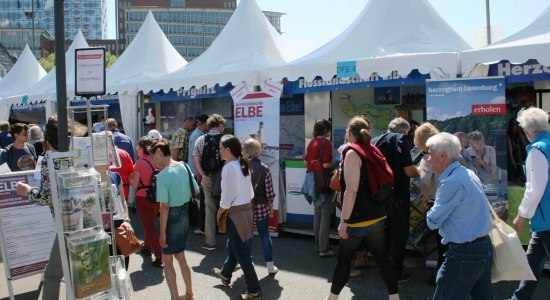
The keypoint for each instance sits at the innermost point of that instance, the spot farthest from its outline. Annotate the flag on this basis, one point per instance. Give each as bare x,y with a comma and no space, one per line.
49,4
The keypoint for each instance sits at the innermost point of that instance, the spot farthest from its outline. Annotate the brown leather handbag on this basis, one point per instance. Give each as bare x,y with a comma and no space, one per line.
126,244
335,181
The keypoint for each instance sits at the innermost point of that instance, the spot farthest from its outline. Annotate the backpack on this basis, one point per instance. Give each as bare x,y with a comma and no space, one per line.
152,188
211,160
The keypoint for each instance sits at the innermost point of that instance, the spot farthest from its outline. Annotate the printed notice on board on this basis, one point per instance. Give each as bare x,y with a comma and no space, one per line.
27,230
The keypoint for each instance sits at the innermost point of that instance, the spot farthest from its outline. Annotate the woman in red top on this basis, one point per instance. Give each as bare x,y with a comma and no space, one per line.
322,202
147,210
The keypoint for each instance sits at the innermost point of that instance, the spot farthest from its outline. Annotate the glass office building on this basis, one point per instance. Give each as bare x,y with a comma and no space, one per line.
20,18
190,30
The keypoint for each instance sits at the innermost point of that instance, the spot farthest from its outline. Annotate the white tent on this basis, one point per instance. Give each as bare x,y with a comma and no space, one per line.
26,72
532,42
45,89
149,56
247,44
388,35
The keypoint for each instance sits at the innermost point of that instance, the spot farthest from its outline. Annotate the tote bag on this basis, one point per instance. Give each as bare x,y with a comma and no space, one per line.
509,260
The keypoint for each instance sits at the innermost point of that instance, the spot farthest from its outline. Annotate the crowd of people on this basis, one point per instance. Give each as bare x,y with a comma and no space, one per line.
207,181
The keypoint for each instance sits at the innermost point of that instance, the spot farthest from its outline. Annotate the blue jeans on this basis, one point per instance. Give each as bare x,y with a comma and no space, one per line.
537,254
263,231
466,271
239,251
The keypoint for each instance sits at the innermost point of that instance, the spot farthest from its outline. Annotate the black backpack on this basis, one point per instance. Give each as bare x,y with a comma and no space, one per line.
211,160
152,188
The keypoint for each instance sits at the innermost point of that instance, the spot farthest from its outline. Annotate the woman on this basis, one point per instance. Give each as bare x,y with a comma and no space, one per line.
43,196
36,138
316,160
428,184
262,202
237,193
482,159
147,210
366,180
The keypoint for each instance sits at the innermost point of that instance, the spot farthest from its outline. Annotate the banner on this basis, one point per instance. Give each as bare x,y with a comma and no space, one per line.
26,244
256,115
468,105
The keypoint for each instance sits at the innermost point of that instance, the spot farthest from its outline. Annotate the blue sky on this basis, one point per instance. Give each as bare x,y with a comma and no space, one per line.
308,24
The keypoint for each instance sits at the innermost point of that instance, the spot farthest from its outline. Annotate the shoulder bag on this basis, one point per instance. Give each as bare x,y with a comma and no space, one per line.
322,177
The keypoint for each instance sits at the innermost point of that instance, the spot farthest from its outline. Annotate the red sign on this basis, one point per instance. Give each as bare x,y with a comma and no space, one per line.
488,109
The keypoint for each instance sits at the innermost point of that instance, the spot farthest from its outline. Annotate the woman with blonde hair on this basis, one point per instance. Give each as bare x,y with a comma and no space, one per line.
262,203
482,159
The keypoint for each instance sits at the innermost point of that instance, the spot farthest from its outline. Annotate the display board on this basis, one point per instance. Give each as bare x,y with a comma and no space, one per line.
257,116
27,231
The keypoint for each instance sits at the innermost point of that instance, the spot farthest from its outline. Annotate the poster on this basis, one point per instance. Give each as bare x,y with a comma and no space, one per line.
467,105
258,116
26,245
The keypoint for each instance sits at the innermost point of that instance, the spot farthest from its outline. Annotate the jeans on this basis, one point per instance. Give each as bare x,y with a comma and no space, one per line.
321,224
397,229
263,231
537,254
211,208
53,274
239,251
148,212
466,271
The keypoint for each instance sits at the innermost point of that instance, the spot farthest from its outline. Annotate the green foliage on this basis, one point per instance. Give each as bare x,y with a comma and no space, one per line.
489,125
49,62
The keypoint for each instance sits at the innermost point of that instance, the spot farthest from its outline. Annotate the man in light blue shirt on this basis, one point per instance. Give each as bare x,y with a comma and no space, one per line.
461,214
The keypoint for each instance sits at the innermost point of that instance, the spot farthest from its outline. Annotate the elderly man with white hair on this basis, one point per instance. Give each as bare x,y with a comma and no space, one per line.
461,213
535,204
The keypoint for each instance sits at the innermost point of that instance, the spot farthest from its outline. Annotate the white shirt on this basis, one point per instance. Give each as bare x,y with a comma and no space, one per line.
537,179
236,188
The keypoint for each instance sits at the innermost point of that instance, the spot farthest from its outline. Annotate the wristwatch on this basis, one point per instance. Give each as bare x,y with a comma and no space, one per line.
126,220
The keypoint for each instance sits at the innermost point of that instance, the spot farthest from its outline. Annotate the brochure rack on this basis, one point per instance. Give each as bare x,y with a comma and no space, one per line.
84,202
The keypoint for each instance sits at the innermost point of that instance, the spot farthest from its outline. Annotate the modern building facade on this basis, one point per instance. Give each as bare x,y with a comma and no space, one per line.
190,25
20,20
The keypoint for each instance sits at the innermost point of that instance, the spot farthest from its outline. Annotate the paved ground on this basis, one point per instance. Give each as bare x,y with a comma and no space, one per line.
302,275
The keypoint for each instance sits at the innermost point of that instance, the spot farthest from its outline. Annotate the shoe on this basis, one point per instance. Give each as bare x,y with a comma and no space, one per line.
208,247
225,280
197,231
271,269
145,252
404,277
327,253
157,262
355,273
249,296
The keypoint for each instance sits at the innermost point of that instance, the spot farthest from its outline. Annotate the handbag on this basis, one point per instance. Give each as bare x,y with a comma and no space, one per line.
126,245
509,259
321,177
222,222
335,181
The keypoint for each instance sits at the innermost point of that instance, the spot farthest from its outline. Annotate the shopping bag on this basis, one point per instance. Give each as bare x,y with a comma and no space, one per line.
509,260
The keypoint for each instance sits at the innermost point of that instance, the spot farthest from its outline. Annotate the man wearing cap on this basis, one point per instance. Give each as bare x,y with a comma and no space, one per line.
180,150
122,141
201,129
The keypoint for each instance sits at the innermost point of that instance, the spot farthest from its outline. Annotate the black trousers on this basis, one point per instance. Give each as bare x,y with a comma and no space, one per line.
397,230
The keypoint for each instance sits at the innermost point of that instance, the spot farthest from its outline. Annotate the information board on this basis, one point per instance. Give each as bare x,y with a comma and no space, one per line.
27,231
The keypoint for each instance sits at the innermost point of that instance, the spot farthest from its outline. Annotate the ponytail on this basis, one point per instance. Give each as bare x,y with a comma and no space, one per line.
244,166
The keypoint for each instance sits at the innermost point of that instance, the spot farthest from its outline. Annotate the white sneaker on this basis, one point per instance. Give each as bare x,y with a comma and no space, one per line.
271,269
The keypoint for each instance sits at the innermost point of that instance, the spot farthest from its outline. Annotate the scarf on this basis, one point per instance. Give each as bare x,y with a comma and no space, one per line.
375,162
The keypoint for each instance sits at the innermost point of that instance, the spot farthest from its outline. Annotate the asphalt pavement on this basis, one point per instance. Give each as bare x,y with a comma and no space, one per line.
302,275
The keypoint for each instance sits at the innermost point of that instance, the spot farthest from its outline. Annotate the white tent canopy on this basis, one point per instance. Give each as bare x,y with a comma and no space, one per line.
532,42
26,72
247,44
149,56
388,35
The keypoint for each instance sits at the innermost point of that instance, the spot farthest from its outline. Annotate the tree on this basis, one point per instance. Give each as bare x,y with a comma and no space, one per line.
49,62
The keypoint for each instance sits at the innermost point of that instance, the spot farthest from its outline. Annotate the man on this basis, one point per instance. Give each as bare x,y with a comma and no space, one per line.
20,155
174,187
536,200
126,168
395,147
461,213
5,137
180,151
210,179
122,141
198,216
